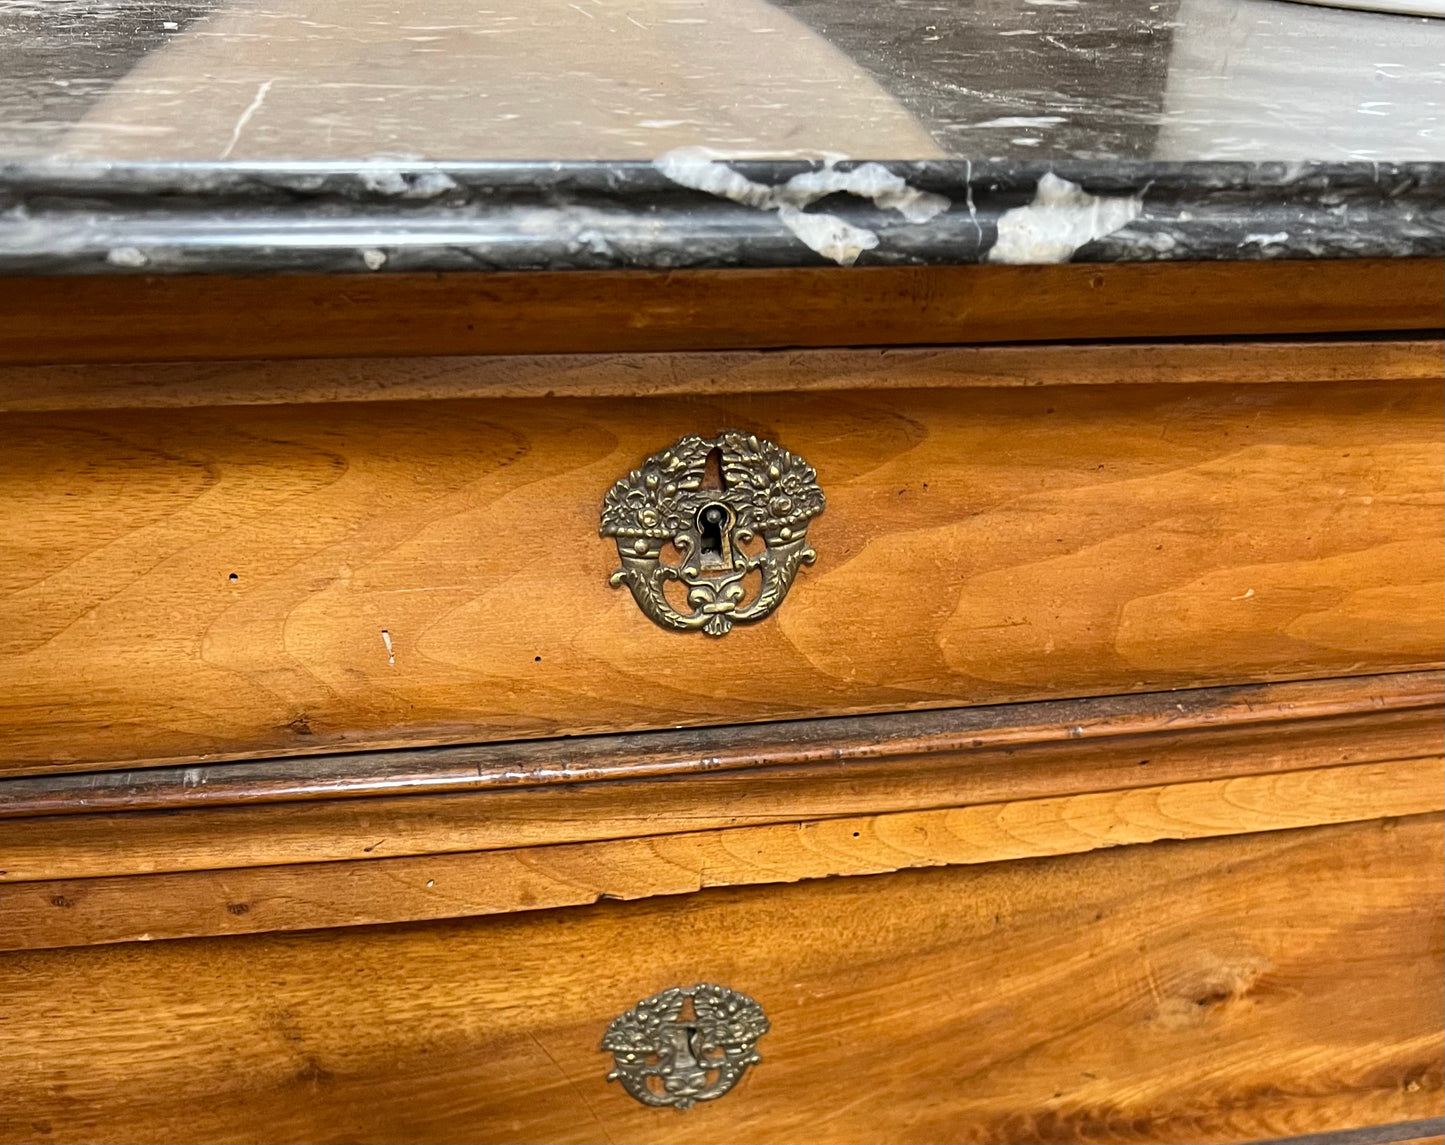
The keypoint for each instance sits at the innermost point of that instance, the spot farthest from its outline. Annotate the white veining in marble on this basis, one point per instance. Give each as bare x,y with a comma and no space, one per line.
1061,219
701,169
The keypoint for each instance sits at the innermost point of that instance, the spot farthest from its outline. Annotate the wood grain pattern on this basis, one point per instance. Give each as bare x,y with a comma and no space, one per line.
863,776
172,384
1218,991
77,912
980,545
141,318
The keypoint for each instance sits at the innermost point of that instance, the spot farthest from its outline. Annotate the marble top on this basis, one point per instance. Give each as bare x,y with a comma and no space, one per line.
436,134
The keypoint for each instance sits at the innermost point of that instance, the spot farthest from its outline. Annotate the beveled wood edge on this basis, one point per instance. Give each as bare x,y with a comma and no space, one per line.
829,741
1401,1132
694,373
194,317
140,908
333,830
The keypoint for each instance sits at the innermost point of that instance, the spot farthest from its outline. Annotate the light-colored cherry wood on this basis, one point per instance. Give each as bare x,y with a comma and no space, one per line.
194,583
143,318
170,384
1218,991
76,912
870,766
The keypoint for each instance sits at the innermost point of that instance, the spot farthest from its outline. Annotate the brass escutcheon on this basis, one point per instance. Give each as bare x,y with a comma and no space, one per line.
760,491
685,1045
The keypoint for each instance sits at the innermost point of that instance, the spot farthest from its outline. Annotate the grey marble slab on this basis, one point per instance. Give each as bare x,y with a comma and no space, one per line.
373,136
687,210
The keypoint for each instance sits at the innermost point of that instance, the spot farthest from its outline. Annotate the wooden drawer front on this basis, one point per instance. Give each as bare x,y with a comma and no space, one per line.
1224,990
283,579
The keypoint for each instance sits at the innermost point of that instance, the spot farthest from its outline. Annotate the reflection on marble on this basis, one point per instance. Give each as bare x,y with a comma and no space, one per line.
449,79
1259,81
618,79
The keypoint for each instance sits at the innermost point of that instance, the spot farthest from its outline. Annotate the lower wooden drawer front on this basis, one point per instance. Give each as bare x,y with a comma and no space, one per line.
1224,990
225,582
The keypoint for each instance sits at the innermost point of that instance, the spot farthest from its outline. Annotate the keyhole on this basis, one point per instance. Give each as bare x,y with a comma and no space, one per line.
714,537
714,519
711,521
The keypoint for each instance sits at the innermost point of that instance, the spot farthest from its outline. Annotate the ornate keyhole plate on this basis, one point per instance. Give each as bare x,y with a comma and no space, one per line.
685,1045
762,492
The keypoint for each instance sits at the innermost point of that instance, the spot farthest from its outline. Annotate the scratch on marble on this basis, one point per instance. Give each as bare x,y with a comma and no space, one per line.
1063,47
256,101
1022,121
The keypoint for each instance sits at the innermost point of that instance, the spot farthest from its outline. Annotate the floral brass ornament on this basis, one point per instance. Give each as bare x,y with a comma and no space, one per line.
763,492
685,1045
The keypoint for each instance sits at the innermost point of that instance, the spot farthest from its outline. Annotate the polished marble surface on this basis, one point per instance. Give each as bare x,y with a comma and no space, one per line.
630,79
142,135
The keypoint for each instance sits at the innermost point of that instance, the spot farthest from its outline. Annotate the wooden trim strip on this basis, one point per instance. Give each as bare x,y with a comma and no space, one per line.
144,907
830,741
334,830
183,384
139,318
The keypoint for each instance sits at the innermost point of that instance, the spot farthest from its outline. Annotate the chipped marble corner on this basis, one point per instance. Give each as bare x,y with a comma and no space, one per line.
1062,218
703,169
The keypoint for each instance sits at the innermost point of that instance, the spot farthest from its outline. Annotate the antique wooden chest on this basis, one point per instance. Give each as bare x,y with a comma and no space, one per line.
538,652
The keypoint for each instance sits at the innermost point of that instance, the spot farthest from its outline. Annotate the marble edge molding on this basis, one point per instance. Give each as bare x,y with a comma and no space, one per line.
693,209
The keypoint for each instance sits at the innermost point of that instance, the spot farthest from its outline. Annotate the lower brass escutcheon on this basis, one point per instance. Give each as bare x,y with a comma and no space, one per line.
685,1045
